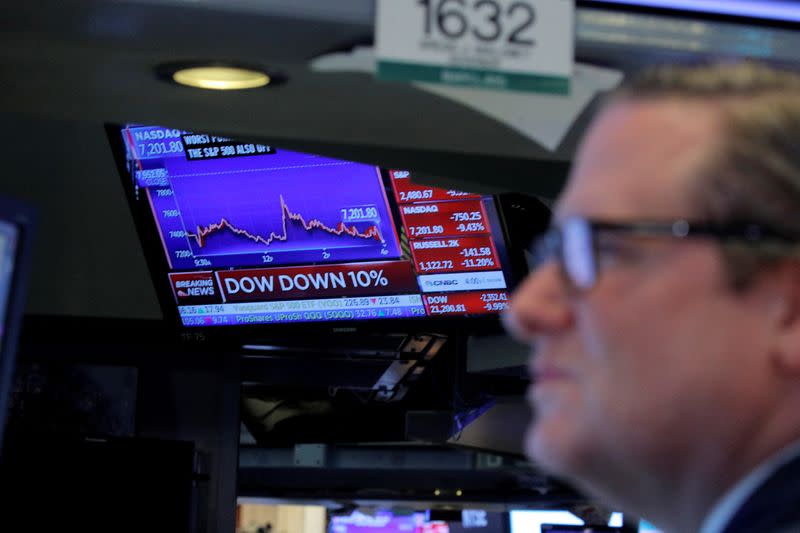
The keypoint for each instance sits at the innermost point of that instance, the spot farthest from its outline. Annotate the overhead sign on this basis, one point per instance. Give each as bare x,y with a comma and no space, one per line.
523,45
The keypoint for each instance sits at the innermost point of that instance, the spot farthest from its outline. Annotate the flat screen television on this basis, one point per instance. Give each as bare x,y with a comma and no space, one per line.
242,234
480,521
647,527
539,521
16,228
385,521
769,10
556,528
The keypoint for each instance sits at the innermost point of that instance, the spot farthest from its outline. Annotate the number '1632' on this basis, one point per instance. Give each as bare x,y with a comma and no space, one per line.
486,20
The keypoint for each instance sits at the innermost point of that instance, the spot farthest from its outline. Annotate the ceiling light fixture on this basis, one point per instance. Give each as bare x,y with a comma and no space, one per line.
217,76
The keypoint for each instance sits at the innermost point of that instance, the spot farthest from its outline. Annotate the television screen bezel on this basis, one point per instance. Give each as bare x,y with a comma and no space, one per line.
158,267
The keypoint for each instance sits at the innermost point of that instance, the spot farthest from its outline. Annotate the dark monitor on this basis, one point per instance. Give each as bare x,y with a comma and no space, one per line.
244,234
16,226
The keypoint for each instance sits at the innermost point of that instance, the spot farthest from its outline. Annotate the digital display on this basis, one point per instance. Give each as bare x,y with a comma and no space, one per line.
558,528
786,10
479,521
548,520
15,230
647,527
9,235
385,522
255,234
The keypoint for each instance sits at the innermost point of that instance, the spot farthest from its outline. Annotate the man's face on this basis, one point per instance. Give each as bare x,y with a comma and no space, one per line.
637,373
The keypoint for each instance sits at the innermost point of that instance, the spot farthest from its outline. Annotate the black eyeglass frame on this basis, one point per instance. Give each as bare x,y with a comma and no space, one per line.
551,243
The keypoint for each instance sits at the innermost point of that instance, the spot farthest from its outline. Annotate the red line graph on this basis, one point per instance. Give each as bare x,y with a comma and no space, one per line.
203,232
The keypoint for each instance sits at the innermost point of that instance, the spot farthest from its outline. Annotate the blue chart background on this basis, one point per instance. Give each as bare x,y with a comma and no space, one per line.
246,192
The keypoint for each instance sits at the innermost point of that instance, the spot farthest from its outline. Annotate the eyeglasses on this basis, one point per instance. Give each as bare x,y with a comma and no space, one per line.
574,242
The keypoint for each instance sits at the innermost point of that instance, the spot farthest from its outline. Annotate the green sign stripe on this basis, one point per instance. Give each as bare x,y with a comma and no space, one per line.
486,79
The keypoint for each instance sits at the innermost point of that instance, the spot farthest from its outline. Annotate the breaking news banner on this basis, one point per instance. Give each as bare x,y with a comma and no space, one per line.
391,277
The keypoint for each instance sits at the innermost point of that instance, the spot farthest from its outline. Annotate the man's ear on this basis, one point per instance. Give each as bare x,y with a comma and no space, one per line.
785,289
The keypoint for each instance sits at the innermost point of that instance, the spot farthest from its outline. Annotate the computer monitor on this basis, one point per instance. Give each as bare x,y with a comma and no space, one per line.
244,234
534,521
774,10
380,521
16,227
480,521
558,528
647,527
386,521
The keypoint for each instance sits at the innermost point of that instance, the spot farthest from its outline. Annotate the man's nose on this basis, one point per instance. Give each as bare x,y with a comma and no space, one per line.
539,306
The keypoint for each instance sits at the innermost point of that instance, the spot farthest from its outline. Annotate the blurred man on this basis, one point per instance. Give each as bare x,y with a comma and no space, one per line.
665,310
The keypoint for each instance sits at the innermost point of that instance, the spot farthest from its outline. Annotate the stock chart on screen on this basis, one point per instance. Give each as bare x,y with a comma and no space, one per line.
280,208
253,234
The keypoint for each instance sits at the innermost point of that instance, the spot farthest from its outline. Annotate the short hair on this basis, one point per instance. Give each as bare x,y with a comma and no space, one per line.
755,174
